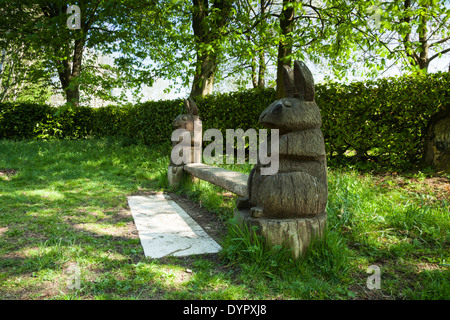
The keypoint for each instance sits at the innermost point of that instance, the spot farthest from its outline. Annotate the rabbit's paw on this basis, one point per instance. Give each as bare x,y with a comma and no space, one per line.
256,212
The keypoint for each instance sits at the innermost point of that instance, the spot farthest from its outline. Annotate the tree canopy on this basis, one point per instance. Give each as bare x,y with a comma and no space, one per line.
200,42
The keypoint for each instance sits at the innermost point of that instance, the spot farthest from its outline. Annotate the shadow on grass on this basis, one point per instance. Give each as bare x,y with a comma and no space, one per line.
67,204
73,192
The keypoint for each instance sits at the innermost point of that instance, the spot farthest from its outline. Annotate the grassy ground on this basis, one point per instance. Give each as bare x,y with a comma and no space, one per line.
64,217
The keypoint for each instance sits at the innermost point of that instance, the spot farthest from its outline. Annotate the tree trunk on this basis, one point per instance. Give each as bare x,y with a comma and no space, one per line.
203,82
420,59
73,96
424,45
206,63
262,70
69,66
73,89
285,46
206,38
69,84
254,76
262,61
258,76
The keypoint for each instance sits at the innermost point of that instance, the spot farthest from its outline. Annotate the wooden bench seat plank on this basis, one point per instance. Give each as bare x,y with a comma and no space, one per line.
233,181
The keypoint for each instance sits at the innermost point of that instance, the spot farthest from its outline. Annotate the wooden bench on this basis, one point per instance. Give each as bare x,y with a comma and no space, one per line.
235,182
288,208
296,234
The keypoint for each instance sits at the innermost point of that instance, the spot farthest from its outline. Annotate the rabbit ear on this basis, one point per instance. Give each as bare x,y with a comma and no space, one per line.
191,106
194,108
288,81
304,82
186,106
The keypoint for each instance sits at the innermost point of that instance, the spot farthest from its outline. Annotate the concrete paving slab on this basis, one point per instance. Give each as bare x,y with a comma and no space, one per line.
166,229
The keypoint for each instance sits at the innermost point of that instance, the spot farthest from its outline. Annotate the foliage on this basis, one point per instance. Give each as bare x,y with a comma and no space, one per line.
147,122
71,54
422,27
146,40
234,110
384,120
21,78
365,38
381,122
39,121
151,121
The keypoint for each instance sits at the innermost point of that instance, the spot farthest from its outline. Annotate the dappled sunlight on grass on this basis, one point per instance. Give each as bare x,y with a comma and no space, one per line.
65,202
74,191
48,195
368,223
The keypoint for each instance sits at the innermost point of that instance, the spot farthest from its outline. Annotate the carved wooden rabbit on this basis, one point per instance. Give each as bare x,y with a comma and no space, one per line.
299,189
187,121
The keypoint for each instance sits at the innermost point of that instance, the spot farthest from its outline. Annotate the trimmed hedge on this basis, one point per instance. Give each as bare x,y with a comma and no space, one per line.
149,122
35,121
383,121
237,110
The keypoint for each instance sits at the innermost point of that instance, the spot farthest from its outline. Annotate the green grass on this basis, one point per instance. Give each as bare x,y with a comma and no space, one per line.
66,206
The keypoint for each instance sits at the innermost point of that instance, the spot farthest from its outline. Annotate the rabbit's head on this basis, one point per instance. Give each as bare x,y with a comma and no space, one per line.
297,110
186,121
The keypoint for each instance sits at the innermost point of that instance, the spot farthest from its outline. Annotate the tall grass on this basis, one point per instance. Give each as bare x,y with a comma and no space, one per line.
243,246
371,215
67,204
367,223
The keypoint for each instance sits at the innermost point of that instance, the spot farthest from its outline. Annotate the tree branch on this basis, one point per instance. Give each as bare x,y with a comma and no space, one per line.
439,41
407,37
438,54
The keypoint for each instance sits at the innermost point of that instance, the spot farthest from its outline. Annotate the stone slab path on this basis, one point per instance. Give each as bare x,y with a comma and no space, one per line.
166,229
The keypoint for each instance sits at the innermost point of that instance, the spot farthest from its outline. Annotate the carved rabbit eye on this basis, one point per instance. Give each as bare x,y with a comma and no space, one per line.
184,118
287,103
